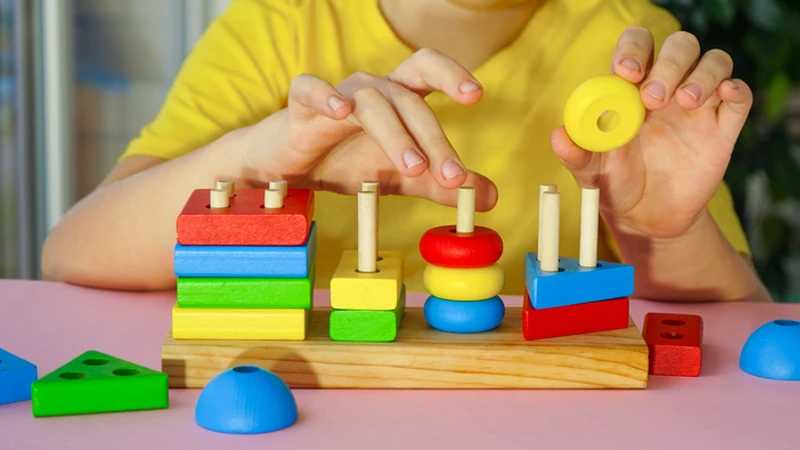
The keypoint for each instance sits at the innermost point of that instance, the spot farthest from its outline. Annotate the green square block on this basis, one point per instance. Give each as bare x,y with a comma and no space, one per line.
367,326
95,382
246,292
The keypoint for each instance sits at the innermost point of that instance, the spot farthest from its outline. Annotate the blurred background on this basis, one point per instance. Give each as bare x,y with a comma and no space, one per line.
79,78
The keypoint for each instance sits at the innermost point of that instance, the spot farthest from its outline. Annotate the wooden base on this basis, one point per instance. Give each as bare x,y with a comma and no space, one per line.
424,358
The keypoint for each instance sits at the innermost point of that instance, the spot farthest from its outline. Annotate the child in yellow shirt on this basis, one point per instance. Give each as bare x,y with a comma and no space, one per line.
426,96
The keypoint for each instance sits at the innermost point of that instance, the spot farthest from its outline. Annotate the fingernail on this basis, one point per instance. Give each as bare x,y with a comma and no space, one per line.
732,84
469,87
656,89
411,158
335,102
629,63
451,169
694,90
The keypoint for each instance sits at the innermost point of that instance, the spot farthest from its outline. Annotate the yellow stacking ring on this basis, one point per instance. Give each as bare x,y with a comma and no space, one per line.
464,284
604,113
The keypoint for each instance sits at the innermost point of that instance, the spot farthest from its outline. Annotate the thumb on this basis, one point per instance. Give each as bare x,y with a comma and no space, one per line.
583,165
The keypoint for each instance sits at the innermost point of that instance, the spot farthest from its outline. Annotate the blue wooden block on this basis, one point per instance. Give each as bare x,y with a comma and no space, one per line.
573,284
16,377
198,261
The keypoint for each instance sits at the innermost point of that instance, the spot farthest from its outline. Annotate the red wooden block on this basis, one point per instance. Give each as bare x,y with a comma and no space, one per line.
674,342
246,221
573,319
443,247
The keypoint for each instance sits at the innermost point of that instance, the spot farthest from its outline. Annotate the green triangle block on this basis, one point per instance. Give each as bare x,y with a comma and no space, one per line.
95,382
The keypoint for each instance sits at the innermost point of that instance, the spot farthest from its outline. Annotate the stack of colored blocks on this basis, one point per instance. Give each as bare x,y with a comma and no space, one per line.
245,266
368,296
462,274
568,296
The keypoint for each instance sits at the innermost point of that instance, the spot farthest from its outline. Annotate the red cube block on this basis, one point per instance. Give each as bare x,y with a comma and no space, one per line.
674,342
246,221
573,319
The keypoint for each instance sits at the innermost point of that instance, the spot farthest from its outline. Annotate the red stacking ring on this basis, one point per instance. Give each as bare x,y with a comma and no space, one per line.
443,247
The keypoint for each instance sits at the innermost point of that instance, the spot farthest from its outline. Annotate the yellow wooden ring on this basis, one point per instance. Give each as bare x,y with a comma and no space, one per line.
464,284
604,113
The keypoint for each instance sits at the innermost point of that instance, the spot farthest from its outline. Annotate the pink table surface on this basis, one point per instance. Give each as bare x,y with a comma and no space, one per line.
50,323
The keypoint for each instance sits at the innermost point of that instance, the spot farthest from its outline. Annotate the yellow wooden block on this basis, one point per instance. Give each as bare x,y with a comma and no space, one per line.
464,284
240,323
379,291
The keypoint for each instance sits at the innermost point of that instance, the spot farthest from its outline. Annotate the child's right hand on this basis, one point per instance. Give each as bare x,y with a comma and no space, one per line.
368,128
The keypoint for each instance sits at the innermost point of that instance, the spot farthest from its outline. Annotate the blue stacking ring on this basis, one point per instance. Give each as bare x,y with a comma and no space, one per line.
464,317
246,400
773,351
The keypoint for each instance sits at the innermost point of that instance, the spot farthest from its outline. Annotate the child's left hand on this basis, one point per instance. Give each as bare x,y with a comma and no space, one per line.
660,183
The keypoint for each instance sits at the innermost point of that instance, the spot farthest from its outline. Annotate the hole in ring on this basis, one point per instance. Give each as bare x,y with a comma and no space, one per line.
787,323
96,362
671,335
673,322
245,369
608,121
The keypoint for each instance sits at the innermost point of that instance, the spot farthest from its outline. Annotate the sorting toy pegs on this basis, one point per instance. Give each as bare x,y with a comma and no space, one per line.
590,216
604,113
219,199
281,185
227,185
273,199
550,231
542,189
367,231
466,210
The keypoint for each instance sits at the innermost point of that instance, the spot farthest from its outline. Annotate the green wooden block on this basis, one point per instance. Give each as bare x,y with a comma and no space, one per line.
246,292
367,326
95,382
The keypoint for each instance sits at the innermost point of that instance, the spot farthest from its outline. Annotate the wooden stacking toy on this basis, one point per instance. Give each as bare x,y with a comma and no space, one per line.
245,263
462,274
567,296
368,294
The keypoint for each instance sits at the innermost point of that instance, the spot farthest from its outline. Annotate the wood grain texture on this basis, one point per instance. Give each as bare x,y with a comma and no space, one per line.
246,221
424,358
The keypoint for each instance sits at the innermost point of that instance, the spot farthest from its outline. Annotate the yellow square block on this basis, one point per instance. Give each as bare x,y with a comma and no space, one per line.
377,291
240,323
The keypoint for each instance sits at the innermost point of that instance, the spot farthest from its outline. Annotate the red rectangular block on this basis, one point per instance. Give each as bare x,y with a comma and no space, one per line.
674,342
246,221
573,319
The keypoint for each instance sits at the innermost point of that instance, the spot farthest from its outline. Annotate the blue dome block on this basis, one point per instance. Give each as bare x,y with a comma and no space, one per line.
464,316
246,400
773,351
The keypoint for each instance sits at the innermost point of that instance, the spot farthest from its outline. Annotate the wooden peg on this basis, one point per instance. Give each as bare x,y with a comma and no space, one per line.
550,231
370,186
281,185
590,214
273,199
219,198
227,185
542,189
374,186
466,210
367,231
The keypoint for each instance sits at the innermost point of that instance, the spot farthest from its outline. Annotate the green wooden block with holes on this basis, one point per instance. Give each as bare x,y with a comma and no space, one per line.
350,325
95,382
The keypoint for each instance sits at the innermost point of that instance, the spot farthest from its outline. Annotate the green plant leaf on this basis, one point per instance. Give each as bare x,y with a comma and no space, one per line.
723,11
777,95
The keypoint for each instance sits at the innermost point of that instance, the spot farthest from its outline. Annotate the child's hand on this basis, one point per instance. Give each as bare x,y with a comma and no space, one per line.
369,128
660,183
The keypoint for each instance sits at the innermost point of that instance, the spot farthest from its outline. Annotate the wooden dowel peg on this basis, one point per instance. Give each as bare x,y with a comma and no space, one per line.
367,231
374,186
542,189
273,199
466,210
219,198
590,216
370,186
550,231
227,185
281,185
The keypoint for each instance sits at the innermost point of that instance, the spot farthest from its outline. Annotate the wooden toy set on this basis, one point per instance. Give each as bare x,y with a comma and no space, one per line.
576,313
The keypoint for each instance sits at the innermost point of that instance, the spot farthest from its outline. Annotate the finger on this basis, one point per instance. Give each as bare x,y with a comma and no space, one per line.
583,165
634,53
678,54
737,99
713,68
379,120
428,188
424,128
310,95
428,70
